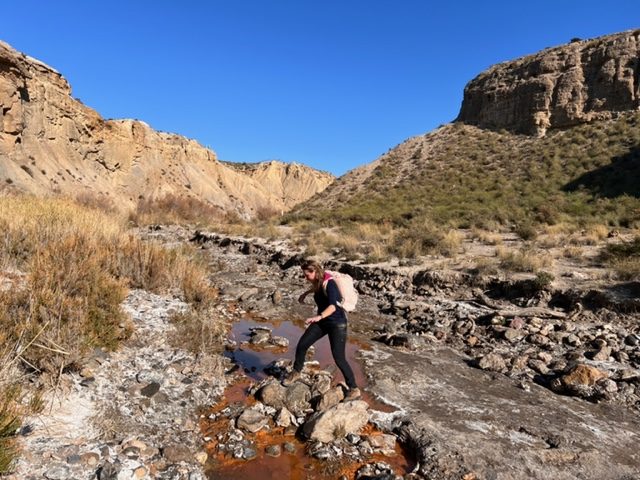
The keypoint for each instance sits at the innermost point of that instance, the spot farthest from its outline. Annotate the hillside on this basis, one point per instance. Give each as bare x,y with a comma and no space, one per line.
50,143
477,172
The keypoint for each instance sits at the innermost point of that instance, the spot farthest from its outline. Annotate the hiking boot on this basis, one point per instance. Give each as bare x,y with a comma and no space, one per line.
352,394
291,377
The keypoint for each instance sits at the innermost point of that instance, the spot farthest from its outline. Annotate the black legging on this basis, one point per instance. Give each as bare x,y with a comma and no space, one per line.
337,331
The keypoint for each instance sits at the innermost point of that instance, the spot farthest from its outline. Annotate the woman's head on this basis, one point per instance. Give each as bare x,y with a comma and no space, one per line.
313,272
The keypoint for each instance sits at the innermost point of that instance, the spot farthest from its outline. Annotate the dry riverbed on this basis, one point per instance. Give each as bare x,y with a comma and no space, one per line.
465,379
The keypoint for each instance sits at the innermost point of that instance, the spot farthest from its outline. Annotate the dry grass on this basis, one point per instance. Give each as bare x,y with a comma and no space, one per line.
485,266
624,258
572,252
176,209
523,260
486,237
549,241
77,264
9,423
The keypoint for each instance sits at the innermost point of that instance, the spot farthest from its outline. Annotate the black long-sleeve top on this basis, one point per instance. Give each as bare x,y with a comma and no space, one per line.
332,297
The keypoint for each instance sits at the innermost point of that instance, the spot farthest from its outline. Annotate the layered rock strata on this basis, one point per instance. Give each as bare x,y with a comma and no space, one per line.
558,87
52,143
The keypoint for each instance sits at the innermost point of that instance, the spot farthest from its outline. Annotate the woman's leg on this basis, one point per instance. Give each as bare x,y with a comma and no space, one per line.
312,334
338,340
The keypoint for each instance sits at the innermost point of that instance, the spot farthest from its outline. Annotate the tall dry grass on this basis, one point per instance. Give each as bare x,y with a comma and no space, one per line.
523,260
75,265
175,209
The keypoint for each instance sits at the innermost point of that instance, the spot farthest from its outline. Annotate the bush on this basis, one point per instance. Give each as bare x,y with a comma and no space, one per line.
543,280
78,264
624,258
172,209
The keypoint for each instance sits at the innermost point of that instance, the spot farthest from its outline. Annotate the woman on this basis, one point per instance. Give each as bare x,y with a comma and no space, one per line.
331,320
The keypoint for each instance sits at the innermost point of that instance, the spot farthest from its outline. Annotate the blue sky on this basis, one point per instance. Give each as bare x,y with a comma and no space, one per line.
331,84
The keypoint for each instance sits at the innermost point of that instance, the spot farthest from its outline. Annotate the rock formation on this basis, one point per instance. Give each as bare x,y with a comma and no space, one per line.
52,143
558,87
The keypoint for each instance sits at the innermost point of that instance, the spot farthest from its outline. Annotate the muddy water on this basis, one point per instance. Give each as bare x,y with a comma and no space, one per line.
252,360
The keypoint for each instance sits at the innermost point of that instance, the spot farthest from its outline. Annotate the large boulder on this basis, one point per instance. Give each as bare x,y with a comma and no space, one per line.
337,422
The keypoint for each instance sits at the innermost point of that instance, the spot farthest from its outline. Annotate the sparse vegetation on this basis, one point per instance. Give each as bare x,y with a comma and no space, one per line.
523,260
176,209
624,258
479,178
65,270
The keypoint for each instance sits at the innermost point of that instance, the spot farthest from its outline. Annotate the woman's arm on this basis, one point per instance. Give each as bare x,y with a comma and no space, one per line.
323,314
333,295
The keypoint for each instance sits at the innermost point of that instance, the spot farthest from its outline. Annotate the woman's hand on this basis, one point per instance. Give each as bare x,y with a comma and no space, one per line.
313,319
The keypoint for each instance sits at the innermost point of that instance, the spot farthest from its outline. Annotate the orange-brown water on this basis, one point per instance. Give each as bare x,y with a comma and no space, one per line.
288,465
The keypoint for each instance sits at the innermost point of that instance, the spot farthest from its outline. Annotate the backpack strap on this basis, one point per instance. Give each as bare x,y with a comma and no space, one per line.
325,281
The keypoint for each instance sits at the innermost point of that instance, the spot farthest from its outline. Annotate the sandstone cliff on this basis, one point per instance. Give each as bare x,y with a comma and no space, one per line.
558,87
52,143
291,183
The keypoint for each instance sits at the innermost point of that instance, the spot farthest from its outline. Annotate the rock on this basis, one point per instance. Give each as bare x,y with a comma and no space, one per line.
283,419
131,452
249,453
545,357
252,420
150,390
276,297
279,341
273,450
517,323
330,398
512,335
537,92
539,366
538,339
337,422
177,453
260,337
140,472
384,443
321,451
581,376
378,471
573,340
90,459
201,457
297,398
109,471
472,341
289,447
602,355
57,472
272,394
492,362
322,383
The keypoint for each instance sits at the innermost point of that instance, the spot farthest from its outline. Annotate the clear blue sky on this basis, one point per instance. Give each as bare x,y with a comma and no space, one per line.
331,84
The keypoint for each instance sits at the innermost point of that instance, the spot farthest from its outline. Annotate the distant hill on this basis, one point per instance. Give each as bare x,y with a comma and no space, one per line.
580,163
50,143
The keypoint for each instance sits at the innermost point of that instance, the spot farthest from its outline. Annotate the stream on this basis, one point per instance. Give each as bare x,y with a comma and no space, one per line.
293,462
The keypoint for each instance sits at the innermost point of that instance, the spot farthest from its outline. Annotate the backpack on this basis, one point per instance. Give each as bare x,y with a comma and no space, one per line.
348,291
